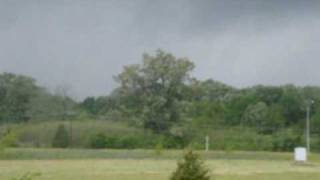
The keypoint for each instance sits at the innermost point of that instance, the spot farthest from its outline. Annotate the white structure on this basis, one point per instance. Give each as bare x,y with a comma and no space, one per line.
207,143
300,154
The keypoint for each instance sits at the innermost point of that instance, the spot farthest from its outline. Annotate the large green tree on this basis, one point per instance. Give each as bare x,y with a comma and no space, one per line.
16,92
154,90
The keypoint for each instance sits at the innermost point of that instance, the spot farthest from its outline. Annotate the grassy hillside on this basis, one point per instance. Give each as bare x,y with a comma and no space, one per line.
40,134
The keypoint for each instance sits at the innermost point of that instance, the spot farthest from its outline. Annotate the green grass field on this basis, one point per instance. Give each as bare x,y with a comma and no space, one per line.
55,164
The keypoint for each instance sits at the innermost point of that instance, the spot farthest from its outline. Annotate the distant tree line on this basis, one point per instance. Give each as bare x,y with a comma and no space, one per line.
161,95
22,100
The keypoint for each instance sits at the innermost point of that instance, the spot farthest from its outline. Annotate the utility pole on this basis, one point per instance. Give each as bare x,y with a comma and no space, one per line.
308,129
309,104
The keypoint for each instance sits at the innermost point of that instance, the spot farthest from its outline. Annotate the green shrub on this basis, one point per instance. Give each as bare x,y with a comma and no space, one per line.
98,141
158,148
9,140
131,142
174,142
61,138
43,133
111,142
191,168
286,140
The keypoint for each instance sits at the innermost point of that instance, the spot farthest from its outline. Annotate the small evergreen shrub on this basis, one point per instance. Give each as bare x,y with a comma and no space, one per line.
191,168
61,138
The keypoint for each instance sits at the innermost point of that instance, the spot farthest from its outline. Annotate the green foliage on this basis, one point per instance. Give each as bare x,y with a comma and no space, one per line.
293,104
207,112
90,105
98,141
190,168
153,90
158,148
50,107
121,141
21,100
135,141
16,91
255,115
236,104
9,140
61,138
2,148
286,140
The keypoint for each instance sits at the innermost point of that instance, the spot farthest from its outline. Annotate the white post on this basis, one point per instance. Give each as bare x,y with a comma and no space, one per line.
308,129
207,143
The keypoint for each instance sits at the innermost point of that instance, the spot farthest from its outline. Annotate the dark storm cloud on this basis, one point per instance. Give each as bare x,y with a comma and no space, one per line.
85,43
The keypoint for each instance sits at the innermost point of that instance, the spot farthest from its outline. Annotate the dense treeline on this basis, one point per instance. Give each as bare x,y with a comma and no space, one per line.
21,100
160,96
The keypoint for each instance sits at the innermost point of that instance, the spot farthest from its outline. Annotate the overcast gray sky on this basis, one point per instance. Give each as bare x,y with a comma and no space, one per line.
84,43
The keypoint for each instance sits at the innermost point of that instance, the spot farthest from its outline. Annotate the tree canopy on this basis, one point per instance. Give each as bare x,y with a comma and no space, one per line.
155,89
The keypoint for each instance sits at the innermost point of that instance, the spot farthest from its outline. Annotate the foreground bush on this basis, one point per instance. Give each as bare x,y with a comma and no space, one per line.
61,138
191,168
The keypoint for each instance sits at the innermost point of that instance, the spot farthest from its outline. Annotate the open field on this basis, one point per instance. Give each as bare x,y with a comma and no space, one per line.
145,165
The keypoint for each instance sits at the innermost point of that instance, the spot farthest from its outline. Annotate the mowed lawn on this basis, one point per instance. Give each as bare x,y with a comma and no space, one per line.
146,165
